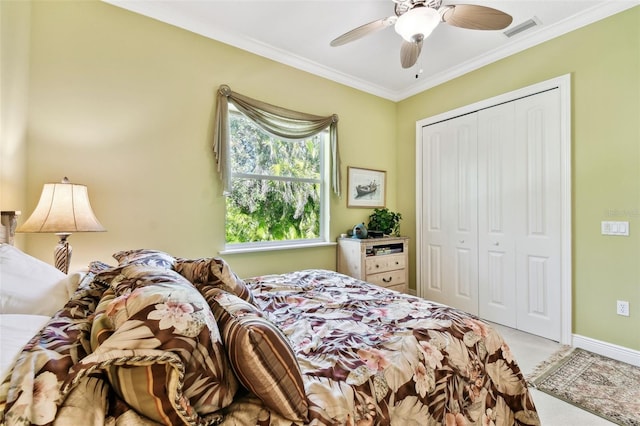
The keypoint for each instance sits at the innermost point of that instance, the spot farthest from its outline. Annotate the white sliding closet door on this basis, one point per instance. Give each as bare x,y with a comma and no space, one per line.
450,242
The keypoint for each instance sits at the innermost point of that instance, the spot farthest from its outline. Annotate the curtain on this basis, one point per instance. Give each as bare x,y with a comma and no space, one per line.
275,120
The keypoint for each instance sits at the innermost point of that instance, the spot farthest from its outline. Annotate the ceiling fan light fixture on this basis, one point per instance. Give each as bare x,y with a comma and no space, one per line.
417,21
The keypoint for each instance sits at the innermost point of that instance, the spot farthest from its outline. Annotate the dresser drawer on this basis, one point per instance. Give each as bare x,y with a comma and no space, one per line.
402,288
389,278
355,257
375,264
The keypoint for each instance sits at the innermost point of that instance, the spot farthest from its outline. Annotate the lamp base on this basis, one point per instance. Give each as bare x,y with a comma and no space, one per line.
62,253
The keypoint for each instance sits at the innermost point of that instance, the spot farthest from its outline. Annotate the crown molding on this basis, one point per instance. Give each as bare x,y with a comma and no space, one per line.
262,49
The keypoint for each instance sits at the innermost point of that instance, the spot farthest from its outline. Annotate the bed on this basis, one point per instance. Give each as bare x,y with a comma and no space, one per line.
156,339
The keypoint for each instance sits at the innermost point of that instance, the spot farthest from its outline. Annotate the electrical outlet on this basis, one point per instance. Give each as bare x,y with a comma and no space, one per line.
622,308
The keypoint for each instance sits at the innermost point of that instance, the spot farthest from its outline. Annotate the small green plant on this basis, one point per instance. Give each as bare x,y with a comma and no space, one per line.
386,221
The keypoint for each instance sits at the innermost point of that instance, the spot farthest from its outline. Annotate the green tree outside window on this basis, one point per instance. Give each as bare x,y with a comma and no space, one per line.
277,186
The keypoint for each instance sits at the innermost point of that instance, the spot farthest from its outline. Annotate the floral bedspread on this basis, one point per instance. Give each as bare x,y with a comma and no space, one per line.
368,356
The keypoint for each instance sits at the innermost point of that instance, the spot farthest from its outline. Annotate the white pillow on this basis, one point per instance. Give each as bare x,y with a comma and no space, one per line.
31,286
17,330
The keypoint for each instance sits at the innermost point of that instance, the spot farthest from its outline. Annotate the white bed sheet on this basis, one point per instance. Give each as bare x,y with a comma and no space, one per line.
15,331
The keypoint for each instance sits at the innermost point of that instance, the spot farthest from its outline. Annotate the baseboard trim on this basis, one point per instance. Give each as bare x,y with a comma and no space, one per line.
630,356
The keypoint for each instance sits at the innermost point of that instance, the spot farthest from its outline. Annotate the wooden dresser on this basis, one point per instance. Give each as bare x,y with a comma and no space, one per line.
381,261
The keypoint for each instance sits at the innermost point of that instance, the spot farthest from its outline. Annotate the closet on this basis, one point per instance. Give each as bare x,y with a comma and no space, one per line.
490,225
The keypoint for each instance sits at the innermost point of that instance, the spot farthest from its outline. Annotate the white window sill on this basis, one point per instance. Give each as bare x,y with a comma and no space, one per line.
274,248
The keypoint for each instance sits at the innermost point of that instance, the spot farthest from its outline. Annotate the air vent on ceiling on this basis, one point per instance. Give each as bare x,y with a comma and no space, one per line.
529,23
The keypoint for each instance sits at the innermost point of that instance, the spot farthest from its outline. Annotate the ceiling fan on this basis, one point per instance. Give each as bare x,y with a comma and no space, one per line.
414,20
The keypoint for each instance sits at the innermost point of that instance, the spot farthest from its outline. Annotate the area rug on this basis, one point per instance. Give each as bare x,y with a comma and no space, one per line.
600,385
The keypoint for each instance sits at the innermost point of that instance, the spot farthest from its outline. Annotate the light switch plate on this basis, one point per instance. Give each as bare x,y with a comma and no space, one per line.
614,228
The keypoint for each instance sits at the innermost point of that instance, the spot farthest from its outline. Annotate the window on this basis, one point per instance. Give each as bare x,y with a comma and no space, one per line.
279,192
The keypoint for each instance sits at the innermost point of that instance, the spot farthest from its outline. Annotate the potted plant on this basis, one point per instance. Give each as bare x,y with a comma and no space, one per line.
385,221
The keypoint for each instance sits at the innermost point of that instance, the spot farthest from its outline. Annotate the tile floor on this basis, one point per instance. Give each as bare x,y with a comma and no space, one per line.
529,351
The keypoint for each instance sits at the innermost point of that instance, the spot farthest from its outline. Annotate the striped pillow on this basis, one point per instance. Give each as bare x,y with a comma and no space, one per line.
260,355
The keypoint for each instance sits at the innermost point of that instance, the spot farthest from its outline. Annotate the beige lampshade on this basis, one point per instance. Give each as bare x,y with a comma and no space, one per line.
63,208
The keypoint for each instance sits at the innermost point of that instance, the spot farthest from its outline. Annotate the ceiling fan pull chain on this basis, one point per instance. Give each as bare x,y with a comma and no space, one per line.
419,66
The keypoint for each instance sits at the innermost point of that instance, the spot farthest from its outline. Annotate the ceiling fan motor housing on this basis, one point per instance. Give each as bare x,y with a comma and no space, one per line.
403,6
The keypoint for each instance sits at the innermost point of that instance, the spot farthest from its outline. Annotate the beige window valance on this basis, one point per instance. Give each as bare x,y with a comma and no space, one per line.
275,120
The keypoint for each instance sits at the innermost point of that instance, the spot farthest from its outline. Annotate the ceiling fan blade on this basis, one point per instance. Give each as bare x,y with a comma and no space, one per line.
409,53
476,17
364,30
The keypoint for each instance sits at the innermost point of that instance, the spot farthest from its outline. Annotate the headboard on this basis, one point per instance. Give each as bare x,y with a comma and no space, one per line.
8,223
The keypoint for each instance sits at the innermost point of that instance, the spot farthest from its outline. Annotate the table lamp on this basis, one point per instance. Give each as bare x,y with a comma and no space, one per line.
63,208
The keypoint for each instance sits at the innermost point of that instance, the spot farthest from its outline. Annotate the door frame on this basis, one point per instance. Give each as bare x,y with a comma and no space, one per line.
563,84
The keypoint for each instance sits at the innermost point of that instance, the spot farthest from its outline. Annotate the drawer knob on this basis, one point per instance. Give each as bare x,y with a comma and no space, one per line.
387,280
377,266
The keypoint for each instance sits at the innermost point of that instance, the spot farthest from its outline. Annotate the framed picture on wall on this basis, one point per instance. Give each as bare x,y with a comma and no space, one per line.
366,188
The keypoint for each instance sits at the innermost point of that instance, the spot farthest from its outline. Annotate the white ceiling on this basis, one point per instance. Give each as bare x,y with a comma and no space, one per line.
298,32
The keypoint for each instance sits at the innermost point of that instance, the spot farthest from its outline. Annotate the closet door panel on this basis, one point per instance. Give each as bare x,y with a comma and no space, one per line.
434,272
435,164
539,246
464,276
498,214
450,215
464,213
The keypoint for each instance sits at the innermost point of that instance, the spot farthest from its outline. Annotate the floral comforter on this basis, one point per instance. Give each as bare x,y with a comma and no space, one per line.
367,356
370,356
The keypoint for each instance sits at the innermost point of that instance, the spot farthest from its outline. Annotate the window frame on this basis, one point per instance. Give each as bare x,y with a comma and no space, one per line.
324,196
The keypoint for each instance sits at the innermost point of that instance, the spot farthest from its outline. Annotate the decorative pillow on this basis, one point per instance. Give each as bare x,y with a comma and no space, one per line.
131,276
214,272
148,380
260,355
156,339
97,266
145,257
31,286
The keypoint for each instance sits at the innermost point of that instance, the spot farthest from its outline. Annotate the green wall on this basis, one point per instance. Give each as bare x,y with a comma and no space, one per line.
604,62
124,104
14,60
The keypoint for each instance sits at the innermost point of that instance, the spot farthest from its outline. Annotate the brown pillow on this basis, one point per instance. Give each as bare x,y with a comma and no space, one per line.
260,355
145,257
97,266
157,341
215,273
